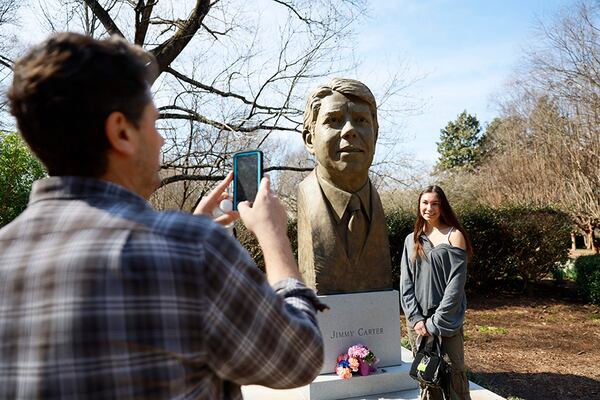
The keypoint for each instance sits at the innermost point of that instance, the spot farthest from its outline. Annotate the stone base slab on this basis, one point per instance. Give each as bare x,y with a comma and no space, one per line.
332,387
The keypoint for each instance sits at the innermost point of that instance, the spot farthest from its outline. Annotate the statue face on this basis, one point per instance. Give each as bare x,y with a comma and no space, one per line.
343,139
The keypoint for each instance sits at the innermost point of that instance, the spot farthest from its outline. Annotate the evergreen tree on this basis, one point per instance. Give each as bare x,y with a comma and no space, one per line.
459,145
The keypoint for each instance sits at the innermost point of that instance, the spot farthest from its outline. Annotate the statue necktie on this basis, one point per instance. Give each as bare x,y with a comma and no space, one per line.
356,228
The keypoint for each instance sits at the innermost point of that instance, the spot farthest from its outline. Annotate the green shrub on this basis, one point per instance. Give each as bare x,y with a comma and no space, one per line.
399,224
514,242
488,264
507,243
587,270
537,239
248,240
564,270
18,170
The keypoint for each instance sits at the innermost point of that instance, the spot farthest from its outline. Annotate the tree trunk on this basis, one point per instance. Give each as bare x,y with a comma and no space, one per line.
590,242
587,238
573,242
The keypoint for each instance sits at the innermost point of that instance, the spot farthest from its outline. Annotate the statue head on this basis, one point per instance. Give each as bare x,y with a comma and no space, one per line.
340,130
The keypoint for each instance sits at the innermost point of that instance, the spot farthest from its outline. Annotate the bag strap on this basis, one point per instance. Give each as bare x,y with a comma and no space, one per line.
437,345
422,343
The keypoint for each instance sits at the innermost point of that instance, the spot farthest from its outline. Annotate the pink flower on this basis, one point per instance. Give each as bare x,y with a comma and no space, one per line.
353,364
359,359
343,373
358,351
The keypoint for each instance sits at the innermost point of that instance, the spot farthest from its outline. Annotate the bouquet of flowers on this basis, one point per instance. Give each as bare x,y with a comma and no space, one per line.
358,360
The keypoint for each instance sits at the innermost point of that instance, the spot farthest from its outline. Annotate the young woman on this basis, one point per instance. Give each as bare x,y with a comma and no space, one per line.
432,286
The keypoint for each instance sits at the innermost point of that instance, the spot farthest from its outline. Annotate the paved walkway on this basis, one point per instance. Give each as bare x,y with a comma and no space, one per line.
401,381
477,393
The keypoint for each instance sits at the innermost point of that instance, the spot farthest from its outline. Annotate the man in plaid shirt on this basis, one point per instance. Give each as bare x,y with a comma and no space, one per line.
101,296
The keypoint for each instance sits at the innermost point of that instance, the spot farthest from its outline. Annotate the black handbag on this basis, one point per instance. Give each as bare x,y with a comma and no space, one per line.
429,367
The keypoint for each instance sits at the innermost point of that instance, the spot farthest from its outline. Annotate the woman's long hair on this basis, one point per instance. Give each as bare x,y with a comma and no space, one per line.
447,217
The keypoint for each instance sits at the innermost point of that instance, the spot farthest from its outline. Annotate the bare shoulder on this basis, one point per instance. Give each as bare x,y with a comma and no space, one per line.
457,239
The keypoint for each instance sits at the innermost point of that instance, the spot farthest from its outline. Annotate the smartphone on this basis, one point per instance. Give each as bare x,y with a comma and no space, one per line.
247,173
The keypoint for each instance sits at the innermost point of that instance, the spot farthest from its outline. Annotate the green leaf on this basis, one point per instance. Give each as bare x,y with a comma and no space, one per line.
18,170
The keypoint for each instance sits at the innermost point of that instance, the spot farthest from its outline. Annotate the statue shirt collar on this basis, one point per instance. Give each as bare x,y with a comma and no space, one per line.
339,198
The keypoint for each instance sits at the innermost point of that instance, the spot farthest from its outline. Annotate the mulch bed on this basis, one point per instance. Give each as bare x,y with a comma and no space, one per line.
540,346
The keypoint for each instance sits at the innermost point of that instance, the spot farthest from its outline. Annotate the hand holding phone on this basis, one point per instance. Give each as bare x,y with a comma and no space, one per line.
267,219
267,216
247,173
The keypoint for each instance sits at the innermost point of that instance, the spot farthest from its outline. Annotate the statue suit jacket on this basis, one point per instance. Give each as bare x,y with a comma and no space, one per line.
322,257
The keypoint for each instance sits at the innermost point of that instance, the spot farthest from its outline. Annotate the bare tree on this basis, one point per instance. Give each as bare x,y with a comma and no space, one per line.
233,74
569,70
547,146
223,87
8,11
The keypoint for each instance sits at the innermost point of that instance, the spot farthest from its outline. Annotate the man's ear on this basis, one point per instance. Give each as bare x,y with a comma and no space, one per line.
119,133
307,136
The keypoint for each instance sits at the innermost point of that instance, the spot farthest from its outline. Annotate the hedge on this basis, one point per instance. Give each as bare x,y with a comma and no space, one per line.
488,264
536,240
587,270
508,243
515,242
248,240
400,223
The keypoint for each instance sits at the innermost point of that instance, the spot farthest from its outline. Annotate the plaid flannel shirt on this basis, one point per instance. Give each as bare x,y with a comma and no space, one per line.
102,297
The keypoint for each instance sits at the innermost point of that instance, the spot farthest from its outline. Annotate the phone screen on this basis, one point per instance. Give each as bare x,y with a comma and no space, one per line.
247,171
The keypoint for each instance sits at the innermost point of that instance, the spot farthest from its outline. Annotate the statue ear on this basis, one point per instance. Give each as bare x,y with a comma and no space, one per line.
307,136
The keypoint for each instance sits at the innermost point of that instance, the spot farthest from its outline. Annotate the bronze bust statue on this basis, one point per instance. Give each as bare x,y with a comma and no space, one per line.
342,235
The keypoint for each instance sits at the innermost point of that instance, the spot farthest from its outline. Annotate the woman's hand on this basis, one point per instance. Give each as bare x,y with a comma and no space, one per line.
421,329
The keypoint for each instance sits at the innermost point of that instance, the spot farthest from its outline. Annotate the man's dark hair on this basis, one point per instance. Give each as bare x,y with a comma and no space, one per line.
64,89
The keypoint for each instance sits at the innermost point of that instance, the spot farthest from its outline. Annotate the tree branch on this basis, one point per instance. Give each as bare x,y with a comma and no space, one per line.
104,17
7,62
142,20
213,178
178,178
308,21
284,168
214,90
167,51
191,115
215,33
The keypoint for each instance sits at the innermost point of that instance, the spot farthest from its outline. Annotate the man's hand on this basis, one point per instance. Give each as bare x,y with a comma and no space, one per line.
421,329
266,215
212,201
267,219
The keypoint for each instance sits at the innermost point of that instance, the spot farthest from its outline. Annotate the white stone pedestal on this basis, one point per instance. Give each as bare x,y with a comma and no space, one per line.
372,319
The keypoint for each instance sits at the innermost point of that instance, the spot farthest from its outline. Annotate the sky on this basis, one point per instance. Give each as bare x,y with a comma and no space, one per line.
460,52
464,51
